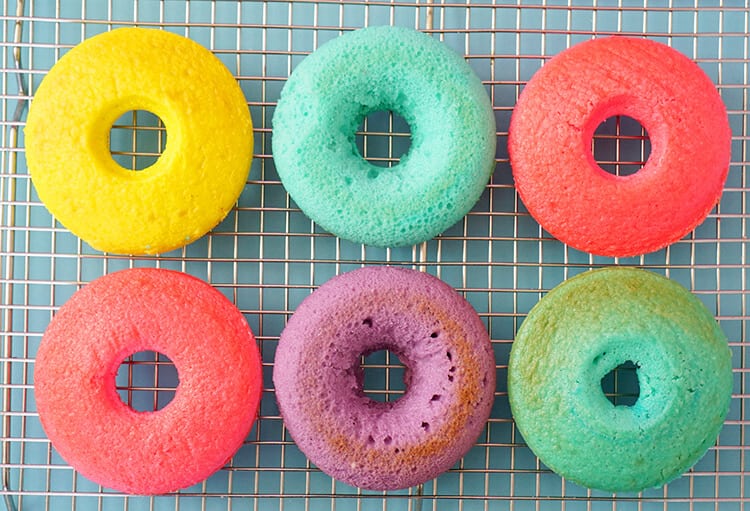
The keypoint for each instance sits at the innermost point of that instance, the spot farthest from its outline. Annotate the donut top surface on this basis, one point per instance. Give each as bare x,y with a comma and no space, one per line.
215,403
453,136
195,181
554,169
450,377
585,328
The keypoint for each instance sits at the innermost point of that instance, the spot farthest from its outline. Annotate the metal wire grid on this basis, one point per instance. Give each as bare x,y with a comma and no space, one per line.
267,256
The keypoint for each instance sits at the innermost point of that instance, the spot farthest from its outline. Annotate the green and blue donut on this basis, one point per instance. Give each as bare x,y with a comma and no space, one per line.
581,331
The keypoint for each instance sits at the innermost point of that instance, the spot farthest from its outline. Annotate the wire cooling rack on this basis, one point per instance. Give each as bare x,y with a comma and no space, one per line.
267,256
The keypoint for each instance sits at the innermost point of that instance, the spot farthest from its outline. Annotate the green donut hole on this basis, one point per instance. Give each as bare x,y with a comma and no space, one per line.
382,139
621,385
137,139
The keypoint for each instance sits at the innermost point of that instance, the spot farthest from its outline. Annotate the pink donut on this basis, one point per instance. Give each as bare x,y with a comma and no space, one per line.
215,403
550,146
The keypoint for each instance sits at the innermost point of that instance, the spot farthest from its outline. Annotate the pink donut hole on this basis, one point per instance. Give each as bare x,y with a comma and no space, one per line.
147,381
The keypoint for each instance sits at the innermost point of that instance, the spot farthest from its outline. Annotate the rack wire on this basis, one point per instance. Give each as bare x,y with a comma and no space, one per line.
266,256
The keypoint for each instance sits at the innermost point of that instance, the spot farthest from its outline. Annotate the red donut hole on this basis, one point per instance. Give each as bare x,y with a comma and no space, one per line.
146,381
621,145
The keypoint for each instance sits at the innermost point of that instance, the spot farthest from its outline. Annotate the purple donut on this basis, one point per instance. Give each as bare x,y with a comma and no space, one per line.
449,377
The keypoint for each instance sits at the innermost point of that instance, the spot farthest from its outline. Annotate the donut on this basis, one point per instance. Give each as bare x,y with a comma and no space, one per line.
215,403
193,184
436,182
581,331
557,177
449,377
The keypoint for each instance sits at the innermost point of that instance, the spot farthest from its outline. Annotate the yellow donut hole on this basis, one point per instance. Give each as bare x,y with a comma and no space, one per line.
196,180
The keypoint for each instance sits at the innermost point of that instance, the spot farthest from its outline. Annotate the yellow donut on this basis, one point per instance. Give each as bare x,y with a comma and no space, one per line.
196,180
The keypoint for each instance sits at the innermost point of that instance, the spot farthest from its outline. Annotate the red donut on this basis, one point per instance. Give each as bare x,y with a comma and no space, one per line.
550,146
215,403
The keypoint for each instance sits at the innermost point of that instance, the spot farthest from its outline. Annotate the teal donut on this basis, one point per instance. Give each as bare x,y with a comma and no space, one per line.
453,137
582,330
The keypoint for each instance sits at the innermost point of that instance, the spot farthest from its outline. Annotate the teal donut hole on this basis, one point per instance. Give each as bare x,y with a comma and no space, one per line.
623,412
382,139
621,386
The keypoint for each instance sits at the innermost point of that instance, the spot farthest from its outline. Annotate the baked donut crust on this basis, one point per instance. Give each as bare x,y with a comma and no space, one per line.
193,184
453,136
585,328
576,200
450,377
215,403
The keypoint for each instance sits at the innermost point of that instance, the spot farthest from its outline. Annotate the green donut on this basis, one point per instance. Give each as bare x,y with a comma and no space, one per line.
581,331
453,136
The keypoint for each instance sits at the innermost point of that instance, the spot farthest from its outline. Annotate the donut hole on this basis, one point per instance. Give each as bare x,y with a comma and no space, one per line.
621,145
621,386
137,139
146,381
383,376
382,139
